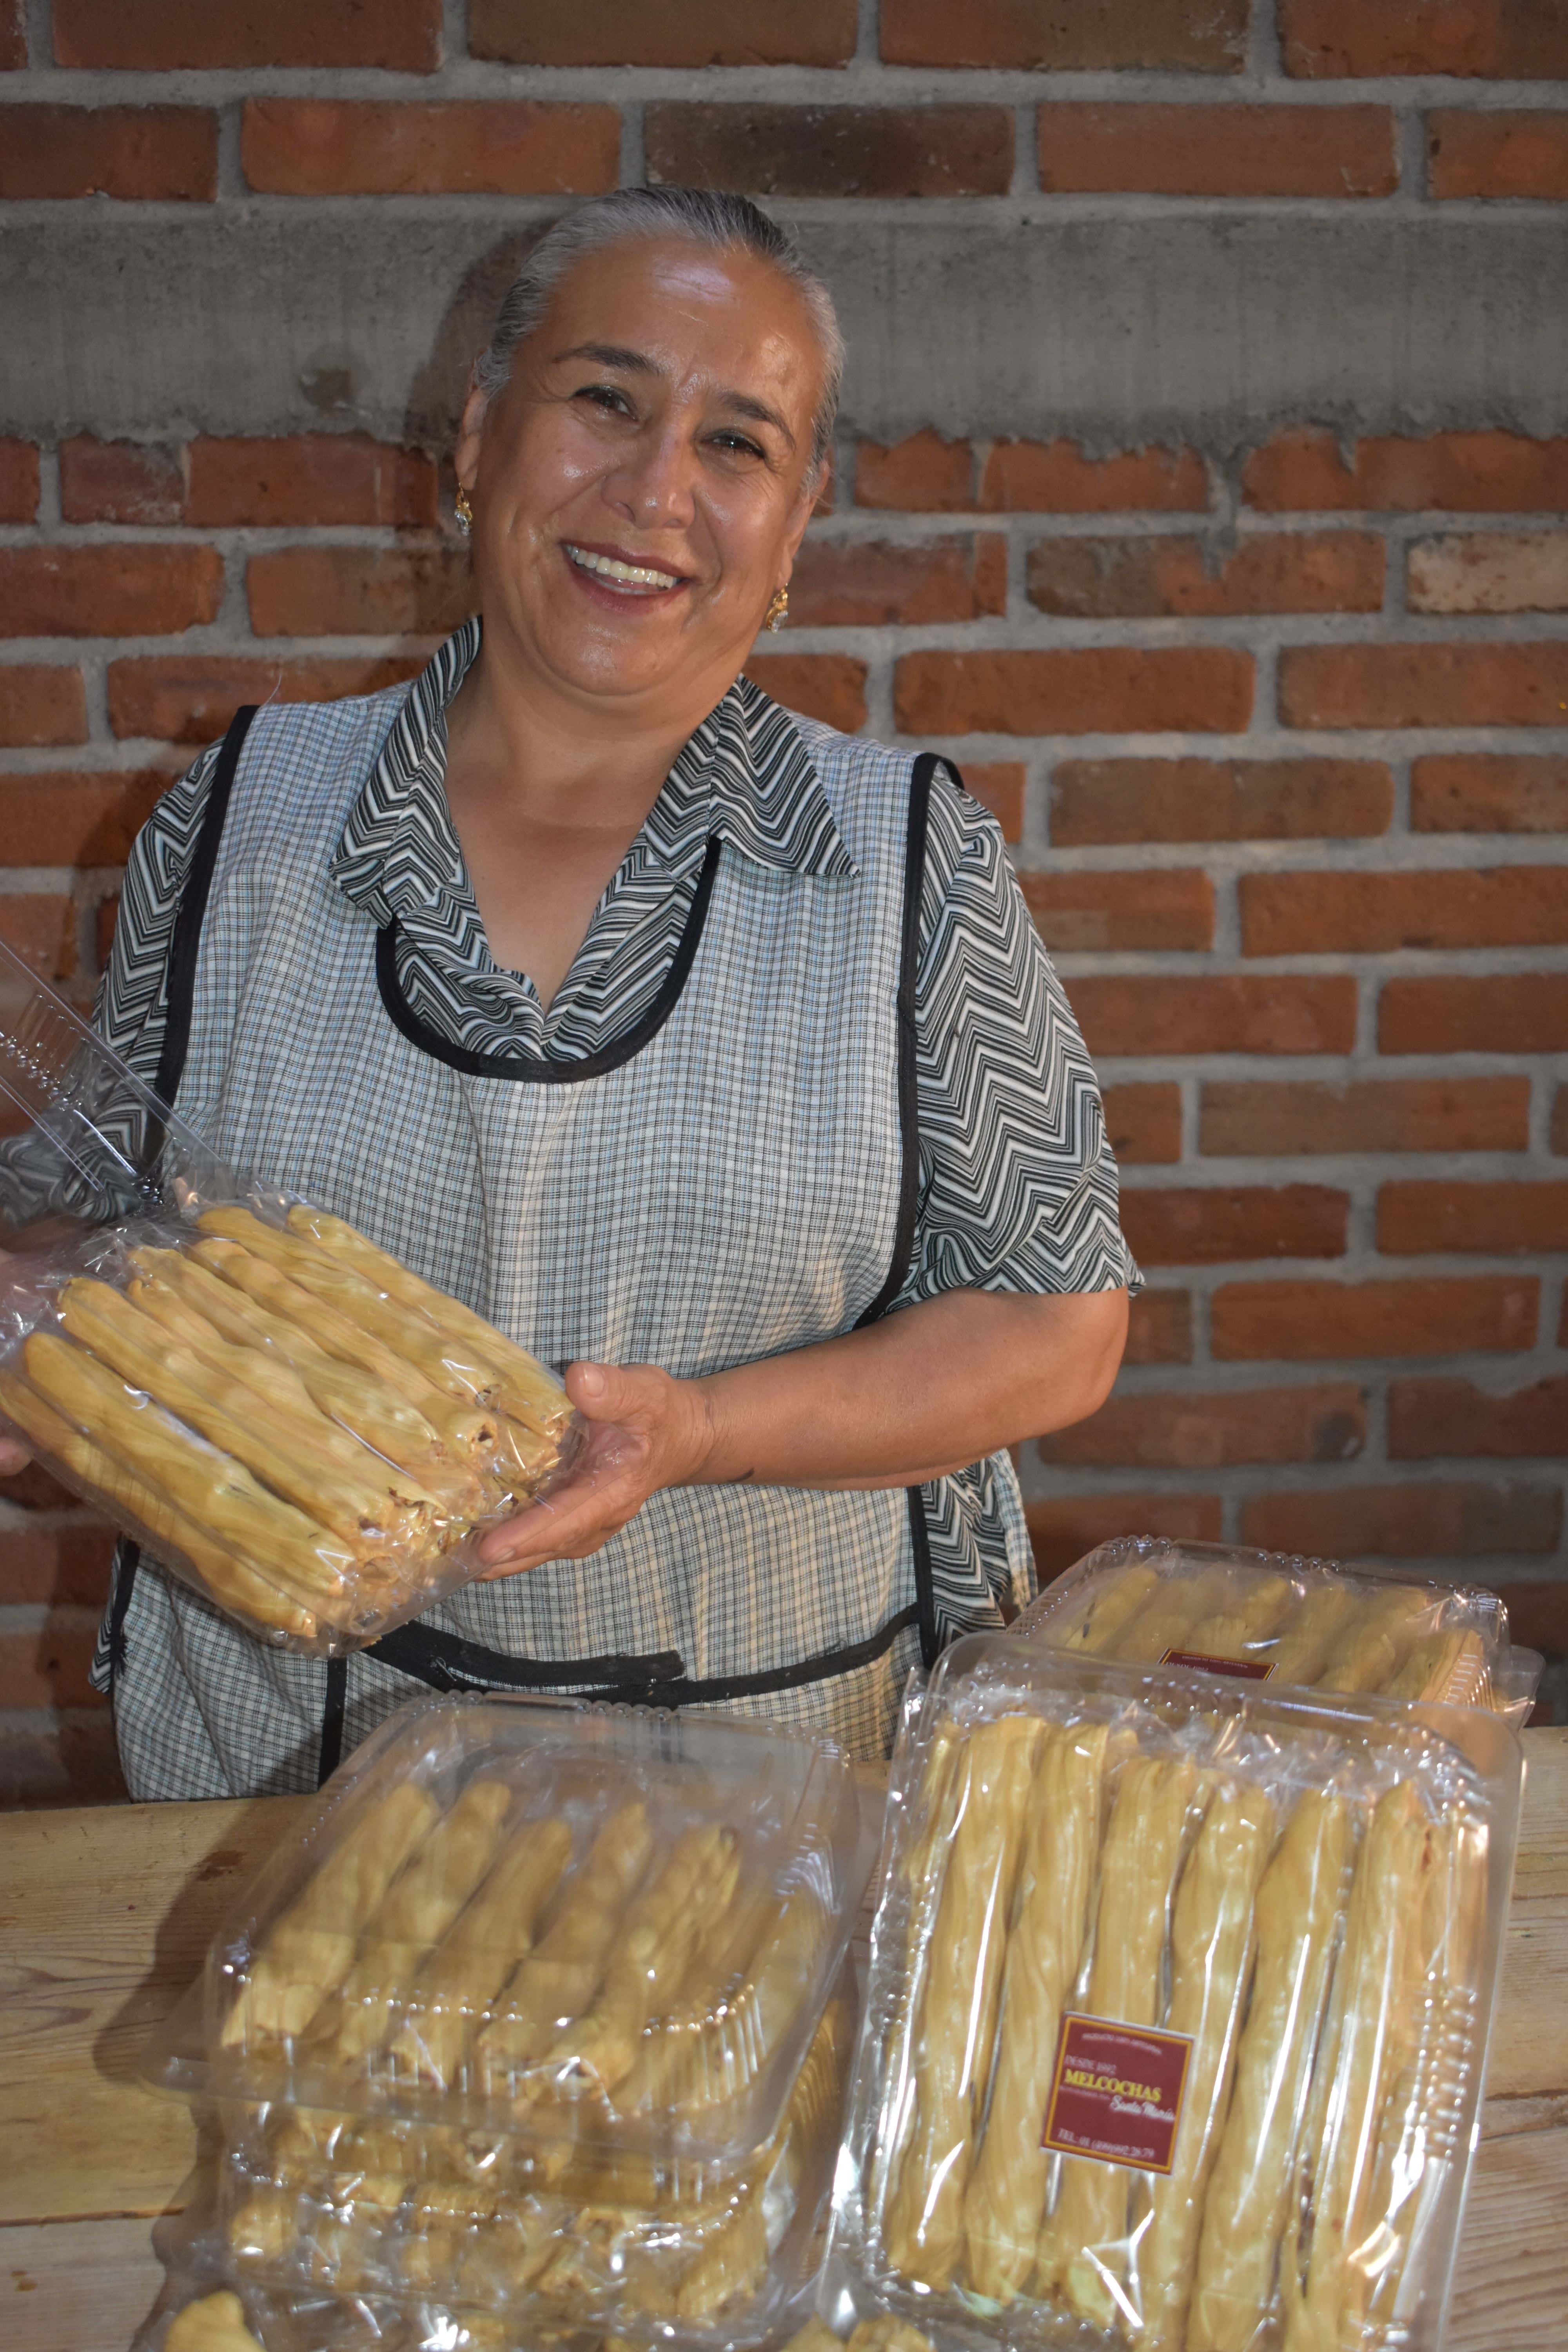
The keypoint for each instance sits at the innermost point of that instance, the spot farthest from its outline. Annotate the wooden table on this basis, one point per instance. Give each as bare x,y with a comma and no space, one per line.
105,1914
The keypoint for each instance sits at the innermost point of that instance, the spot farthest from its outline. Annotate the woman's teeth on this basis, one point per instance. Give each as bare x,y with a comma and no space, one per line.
624,575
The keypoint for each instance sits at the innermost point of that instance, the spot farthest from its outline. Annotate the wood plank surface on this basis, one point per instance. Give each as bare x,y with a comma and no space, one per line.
105,1914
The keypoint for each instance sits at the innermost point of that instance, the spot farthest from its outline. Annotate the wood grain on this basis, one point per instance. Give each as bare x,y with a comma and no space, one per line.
105,1914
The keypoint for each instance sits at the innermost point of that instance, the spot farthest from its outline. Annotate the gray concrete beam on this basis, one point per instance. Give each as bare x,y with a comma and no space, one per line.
1120,329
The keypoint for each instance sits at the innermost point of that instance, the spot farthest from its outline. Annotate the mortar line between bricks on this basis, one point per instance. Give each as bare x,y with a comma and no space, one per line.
37,16
864,79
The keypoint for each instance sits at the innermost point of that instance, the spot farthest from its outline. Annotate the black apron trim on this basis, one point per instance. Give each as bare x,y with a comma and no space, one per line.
532,1070
332,1711
445,1663
179,997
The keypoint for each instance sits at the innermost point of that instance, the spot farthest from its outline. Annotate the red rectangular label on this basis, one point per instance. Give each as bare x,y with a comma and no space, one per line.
1251,1670
1117,2092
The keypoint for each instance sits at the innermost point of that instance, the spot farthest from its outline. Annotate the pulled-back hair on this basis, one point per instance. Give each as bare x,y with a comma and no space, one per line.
703,217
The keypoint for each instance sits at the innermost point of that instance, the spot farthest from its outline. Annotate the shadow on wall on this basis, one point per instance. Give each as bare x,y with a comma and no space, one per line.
436,397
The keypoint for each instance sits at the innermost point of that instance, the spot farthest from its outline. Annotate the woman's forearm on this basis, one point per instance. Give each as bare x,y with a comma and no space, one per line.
923,1391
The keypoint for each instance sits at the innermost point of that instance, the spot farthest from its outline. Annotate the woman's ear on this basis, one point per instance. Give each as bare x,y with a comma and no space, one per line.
470,433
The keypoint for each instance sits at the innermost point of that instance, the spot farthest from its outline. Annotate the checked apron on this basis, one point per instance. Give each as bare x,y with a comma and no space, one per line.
735,1176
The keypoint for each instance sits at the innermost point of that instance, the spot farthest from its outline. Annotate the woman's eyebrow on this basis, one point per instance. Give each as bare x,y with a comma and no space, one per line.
621,355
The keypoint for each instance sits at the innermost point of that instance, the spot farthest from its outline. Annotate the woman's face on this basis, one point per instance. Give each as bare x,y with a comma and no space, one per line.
640,487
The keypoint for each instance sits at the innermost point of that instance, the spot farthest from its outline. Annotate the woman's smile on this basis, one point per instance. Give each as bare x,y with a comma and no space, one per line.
612,576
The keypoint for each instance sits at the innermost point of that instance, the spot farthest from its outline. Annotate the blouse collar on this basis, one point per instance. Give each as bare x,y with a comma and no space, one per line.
744,774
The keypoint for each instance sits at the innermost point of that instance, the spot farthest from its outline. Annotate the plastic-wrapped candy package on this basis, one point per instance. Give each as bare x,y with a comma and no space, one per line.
1178,2011
1274,1617
546,2018
285,1415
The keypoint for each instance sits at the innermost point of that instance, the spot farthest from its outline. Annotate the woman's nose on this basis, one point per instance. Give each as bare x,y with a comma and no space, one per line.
654,484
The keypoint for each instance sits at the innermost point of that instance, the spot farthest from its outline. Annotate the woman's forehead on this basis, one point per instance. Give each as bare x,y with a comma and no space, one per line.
687,306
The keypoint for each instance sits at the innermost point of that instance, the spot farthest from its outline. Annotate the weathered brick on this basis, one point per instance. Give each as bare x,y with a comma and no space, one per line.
67,1565
998,784
1182,1432
1448,1518
663,32
1490,571
1501,1219
829,687
308,592
1066,36
158,36
1097,800
121,481
1370,914
1215,1224
310,478
1257,1321
1171,907
1084,690
1499,1013
129,152
1425,684
56,817
1442,1419
832,151
192,701
1218,151
135,590
18,481
860,583
1489,792
1216,1014
1472,154
13,36
1257,1118
1295,571
516,147
1470,473
70,1761
1515,40
922,475
48,1668
1056,478
41,928
1064,1528
1160,1328
1537,1615
1144,1122
41,703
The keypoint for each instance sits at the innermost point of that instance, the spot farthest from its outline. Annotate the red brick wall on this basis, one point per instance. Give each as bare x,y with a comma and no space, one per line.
1279,731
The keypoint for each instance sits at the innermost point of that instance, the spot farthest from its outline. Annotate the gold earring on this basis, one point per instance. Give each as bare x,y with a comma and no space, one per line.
773,617
463,511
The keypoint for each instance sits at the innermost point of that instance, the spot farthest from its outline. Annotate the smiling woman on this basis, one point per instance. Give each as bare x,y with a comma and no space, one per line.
704,1050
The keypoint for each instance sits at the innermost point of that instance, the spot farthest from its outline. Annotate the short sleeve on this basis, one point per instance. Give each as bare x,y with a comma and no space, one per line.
132,1007
1018,1184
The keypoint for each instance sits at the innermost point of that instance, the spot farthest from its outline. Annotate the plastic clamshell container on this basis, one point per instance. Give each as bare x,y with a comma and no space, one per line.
601,1931
1279,1617
541,2239
1179,2001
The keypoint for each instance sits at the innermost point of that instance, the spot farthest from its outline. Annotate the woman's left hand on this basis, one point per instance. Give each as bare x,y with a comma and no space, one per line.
646,1431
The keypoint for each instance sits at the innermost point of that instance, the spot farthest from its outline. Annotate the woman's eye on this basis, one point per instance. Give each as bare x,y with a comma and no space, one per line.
739,444
606,397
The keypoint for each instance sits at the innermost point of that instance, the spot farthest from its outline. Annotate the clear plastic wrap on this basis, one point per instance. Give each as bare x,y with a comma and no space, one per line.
287,1417
1267,1616
1178,2009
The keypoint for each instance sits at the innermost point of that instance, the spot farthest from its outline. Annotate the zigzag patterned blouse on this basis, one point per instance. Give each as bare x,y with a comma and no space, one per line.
1018,1186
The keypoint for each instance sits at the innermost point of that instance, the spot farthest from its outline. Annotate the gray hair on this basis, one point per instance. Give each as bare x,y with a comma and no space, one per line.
704,217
